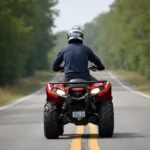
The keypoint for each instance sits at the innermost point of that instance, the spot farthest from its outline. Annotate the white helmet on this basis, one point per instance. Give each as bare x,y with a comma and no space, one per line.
75,34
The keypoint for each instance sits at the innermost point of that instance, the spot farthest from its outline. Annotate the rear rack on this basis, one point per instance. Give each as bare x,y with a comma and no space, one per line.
84,82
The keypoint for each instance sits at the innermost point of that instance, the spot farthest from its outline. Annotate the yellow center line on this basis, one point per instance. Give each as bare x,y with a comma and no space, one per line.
76,142
92,141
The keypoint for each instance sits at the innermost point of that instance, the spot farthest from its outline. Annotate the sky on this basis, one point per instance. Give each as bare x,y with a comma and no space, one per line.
79,12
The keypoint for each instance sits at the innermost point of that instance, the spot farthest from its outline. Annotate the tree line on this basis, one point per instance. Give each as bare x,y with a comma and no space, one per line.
121,37
26,37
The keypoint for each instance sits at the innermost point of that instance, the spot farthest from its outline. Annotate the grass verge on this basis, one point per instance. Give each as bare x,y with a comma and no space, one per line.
140,82
24,86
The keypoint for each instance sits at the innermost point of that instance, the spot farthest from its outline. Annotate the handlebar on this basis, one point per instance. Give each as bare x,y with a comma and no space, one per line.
93,68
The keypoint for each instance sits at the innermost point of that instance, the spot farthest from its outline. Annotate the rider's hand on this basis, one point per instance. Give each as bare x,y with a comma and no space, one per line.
101,68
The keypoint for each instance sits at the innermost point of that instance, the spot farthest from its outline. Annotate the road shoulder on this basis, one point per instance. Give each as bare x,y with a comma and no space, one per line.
125,84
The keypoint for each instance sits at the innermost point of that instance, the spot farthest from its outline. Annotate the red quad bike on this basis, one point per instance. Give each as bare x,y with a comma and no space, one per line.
79,102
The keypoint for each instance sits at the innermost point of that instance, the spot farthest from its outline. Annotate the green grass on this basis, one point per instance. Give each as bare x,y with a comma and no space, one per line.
140,82
24,86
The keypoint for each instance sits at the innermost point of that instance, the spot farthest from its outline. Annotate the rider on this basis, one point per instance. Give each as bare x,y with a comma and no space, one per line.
76,56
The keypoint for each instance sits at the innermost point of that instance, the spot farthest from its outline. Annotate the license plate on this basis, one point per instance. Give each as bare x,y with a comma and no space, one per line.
78,114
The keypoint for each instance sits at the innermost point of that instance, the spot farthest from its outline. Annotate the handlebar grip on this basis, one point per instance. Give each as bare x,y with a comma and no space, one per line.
93,68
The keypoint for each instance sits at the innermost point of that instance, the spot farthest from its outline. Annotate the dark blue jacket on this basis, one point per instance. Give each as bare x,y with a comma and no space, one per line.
76,57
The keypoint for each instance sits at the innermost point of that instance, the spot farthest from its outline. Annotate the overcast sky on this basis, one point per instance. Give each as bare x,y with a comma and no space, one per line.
78,12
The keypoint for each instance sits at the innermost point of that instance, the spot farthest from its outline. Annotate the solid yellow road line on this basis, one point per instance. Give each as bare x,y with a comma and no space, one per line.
92,141
76,142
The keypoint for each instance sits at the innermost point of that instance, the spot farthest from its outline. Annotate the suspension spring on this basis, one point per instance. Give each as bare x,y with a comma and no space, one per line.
93,106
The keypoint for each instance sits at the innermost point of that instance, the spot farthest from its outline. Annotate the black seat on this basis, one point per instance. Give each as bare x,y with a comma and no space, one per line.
79,81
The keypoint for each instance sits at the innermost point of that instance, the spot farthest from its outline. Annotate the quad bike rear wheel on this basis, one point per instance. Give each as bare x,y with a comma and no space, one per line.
106,119
61,130
51,121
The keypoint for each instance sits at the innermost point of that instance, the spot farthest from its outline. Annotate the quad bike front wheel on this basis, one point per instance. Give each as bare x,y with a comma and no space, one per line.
106,119
51,121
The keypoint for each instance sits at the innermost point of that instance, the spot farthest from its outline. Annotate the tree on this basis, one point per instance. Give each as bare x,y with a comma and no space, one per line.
26,37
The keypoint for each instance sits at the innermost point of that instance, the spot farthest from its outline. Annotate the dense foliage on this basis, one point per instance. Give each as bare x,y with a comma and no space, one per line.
121,37
26,37
61,41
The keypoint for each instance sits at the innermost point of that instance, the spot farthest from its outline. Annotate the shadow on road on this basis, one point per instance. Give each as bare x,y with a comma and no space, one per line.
127,135
95,136
73,136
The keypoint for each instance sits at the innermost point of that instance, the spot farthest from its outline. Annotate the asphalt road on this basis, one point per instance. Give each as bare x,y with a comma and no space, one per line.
21,125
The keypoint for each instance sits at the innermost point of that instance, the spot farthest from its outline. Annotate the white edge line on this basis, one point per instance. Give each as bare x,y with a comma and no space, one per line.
23,98
128,88
20,100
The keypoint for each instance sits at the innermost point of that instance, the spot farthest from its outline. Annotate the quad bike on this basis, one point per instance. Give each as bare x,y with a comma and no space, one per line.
79,102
